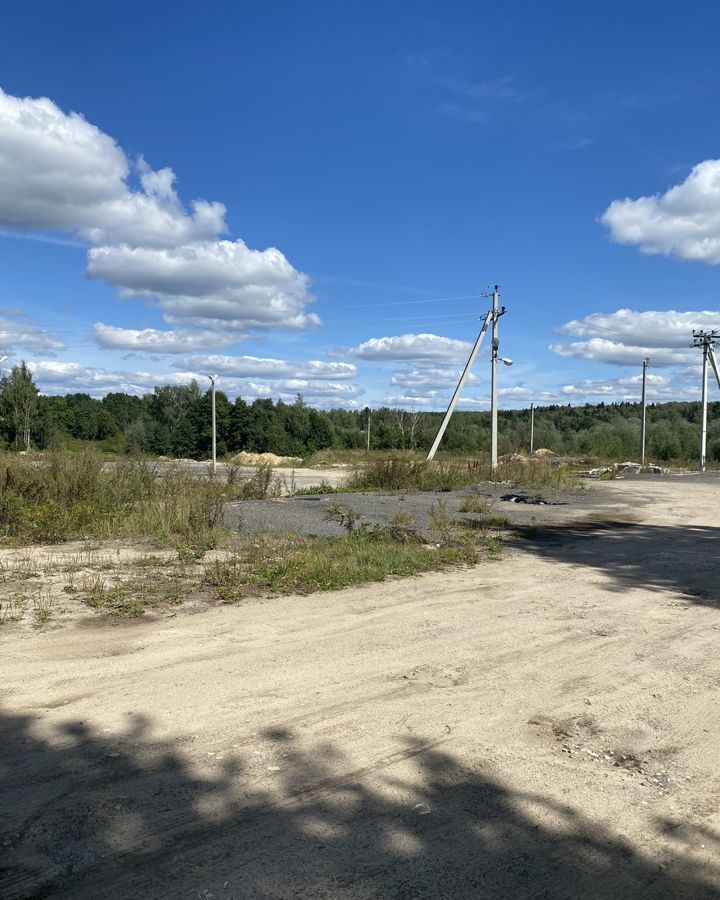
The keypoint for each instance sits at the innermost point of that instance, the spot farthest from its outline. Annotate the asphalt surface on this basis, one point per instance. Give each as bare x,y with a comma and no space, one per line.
306,515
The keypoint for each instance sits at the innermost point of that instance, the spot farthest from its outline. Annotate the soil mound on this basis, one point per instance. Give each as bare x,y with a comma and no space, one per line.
258,459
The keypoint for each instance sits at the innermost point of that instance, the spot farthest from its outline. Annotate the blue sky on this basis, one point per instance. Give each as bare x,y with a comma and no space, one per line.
401,157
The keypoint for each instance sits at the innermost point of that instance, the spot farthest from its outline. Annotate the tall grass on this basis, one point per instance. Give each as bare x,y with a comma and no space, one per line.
63,496
396,473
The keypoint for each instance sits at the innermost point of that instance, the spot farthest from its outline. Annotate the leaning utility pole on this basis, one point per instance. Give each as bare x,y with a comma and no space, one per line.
646,363
706,340
460,385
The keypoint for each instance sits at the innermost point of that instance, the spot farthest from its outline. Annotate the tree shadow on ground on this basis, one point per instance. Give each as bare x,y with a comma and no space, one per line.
119,816
682,559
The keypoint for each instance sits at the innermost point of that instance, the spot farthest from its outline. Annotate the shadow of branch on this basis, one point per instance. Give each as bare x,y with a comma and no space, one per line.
89,815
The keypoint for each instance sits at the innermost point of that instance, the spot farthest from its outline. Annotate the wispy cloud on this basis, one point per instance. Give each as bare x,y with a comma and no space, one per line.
463,96
477,101
42,238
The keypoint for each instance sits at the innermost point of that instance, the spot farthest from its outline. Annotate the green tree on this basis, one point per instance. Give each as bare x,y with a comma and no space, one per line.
18,401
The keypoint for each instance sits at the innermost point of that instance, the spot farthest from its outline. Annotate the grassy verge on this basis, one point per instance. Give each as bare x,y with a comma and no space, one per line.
120,581
298,565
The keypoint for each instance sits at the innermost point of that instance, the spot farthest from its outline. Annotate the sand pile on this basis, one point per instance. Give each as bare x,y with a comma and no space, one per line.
258,459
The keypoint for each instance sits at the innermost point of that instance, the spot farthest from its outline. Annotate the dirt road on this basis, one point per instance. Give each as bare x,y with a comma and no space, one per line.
543,726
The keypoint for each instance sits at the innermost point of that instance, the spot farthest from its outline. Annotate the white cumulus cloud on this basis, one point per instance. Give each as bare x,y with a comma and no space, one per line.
216,283
60,377
59,172
429,377
156,340
19,332
659,388
55,377
626,337
255,367
683,222
418,348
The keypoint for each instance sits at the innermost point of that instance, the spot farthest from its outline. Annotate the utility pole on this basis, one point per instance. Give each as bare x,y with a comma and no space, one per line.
368,430
214,428
493,381
532,427
496,313
706,340
646,363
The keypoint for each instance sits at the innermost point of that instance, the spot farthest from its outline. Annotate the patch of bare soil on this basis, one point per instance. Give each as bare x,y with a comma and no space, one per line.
545,725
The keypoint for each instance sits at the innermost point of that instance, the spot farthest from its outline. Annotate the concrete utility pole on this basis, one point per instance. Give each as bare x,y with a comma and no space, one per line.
646,363
214,428
494,359
532,427
368,430
706,340
493,381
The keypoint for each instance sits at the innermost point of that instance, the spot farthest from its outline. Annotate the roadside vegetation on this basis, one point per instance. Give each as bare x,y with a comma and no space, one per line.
400,473
63,496
150,554
301,565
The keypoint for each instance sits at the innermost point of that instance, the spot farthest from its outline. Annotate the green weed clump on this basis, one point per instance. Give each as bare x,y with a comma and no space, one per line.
133,596
314,489
475,504
62,496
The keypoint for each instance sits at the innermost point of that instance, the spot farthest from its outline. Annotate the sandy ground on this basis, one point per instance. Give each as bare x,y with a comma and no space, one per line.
543,726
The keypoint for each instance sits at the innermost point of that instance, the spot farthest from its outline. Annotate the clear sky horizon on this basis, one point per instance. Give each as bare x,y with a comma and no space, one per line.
312,197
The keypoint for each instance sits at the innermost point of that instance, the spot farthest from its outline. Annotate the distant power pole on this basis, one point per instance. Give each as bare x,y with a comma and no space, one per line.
214,429
646,363
368,430
532,427
706,340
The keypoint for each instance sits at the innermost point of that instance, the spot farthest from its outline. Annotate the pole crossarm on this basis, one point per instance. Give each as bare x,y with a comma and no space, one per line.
700,338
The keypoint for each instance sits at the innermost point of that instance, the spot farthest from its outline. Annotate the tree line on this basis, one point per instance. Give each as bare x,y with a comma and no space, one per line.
175,421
